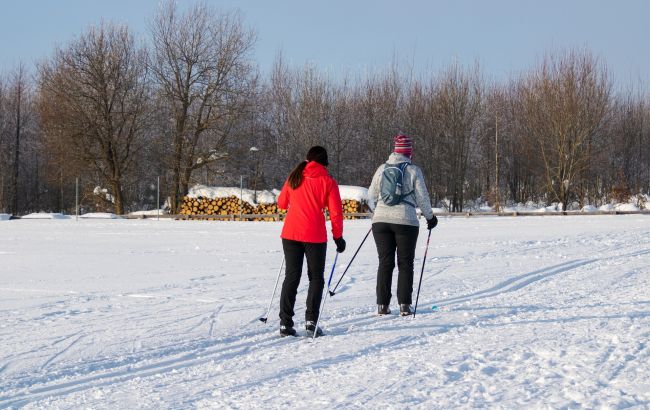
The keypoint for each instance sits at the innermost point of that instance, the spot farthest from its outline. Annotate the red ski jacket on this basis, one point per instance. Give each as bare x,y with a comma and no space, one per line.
305,221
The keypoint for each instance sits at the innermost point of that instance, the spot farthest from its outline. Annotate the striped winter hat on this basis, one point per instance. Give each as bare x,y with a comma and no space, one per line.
403,145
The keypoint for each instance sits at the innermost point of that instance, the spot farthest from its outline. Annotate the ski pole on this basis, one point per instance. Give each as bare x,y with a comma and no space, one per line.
332,292
421,273
263,319
322,307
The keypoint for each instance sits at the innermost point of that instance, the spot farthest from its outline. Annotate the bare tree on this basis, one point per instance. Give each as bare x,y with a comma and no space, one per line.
18,98
381,116
17,121
93,103
506,160
277,110
522,167
420,120
311,112
566,102
631,116
457,101
305,109
621,166
344,134
4,157
201,64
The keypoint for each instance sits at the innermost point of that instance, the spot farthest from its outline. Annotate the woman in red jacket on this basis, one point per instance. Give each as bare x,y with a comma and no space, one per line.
308,191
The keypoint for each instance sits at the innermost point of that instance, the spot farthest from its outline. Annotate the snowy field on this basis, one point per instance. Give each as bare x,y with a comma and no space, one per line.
534,312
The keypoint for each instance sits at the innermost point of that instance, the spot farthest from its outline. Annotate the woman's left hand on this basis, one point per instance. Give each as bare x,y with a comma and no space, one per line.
340,244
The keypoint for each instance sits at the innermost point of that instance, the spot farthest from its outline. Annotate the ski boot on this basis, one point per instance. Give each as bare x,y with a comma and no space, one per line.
310,327
383,310
287,331
405,309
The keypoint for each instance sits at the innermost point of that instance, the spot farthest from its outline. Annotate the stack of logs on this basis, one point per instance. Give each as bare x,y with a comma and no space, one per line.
227,206
221,207
351,206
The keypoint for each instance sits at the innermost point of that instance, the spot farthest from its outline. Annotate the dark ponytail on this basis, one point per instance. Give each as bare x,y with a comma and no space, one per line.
315,153
295,177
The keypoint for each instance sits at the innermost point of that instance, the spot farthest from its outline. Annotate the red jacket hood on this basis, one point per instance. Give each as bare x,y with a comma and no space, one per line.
314,170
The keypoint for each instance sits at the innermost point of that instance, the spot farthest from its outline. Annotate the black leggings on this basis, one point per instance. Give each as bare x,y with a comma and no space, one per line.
294,253
390,238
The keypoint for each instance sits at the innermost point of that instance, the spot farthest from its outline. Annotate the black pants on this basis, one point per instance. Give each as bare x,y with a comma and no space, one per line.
390,238
294,253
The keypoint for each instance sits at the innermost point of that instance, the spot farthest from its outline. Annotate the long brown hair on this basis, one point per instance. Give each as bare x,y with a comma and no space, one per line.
315,153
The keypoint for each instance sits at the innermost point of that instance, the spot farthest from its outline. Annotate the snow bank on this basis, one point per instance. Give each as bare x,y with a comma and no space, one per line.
636,203
529,206
5,217
99,215
268,197
551,208
626,207
619,207
248,195
151,212
354,193
45,215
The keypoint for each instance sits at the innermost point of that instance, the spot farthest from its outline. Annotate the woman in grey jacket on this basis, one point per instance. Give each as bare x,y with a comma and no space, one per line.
395,227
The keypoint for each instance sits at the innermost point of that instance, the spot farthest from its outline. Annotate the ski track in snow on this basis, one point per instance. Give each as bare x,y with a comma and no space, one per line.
530,314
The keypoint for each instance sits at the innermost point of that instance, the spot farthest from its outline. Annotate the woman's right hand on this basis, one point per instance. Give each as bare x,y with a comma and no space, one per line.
431,223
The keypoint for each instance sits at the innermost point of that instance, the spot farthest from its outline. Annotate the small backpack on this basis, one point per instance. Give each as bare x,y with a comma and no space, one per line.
391,188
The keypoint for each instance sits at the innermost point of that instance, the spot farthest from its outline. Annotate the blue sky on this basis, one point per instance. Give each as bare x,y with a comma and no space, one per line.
504,36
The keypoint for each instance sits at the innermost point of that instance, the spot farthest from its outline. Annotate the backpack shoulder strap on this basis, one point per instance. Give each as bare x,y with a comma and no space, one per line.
403,167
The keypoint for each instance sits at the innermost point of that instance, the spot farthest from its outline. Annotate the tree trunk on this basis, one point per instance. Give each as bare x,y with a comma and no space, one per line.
2,191
176,177
118,196
17,148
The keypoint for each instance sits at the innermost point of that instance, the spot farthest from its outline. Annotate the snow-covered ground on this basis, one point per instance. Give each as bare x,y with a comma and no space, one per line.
45,215
534,312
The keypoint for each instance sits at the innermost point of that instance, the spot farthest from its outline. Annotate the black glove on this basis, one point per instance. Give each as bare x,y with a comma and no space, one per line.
431,223
340,244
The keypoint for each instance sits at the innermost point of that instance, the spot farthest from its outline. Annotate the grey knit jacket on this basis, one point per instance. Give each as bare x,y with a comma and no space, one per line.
402,214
